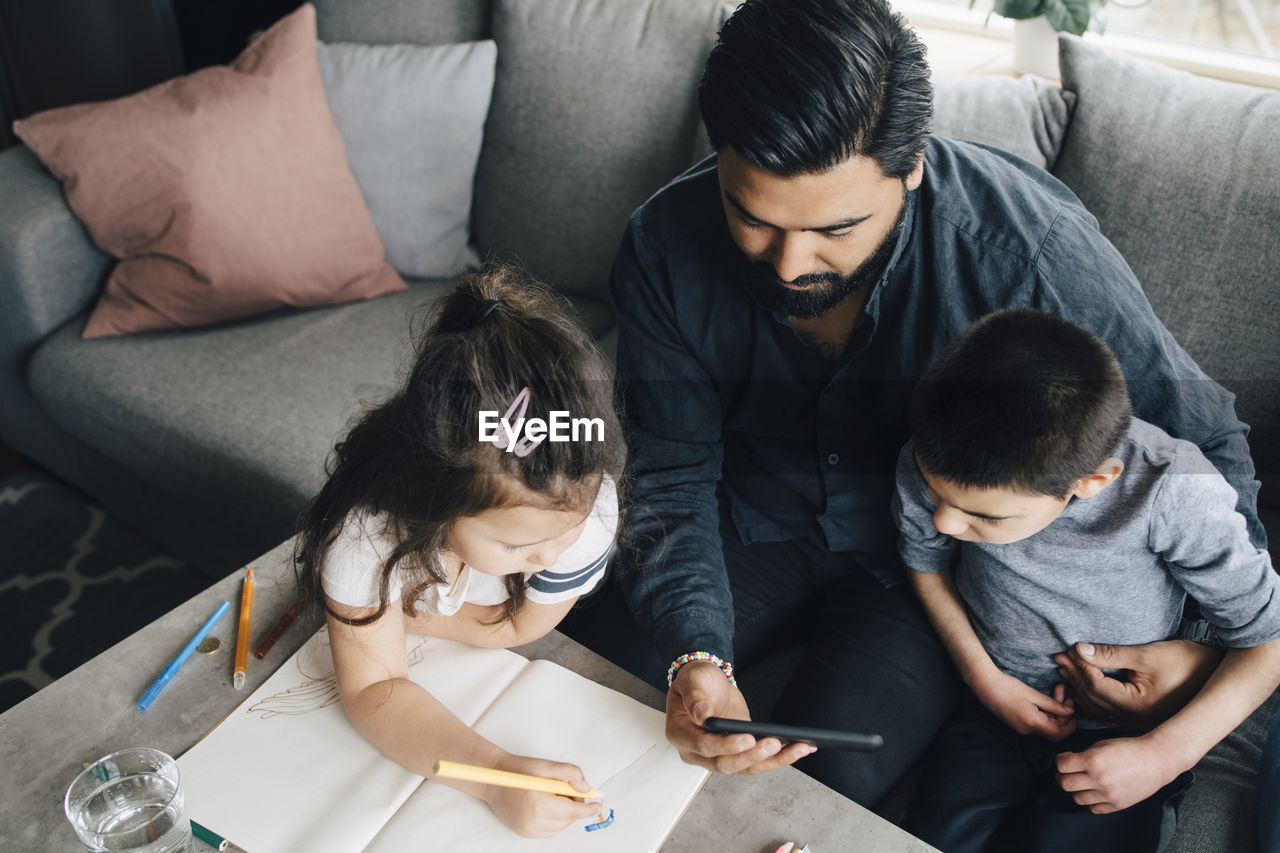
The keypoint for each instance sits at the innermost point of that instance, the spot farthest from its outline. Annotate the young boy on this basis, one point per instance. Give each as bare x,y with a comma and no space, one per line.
1036,512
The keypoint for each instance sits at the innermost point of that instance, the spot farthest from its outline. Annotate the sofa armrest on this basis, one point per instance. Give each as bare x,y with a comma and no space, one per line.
50,271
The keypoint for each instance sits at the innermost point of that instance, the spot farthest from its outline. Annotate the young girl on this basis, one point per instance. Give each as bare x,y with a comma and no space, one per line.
424,528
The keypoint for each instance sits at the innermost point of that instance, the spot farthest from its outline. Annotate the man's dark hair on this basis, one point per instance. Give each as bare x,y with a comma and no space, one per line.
800,86
1022,400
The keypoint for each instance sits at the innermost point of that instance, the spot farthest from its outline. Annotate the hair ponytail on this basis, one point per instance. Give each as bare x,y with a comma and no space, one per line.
416,463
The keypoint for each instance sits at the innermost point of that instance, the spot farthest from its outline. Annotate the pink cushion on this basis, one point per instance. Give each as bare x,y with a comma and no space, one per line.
223,193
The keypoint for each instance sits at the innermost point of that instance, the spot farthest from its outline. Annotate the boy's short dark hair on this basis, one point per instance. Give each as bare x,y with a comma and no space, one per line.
800,86
1022,400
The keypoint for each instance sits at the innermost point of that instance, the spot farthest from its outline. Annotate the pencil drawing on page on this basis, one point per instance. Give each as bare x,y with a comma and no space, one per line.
317,688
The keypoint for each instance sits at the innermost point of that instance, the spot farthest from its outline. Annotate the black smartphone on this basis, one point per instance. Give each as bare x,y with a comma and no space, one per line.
821,738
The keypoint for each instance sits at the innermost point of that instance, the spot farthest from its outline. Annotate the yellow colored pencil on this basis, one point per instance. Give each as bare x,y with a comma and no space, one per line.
507,779
242,640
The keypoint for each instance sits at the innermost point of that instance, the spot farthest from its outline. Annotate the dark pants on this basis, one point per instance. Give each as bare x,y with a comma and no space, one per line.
872,662
984,788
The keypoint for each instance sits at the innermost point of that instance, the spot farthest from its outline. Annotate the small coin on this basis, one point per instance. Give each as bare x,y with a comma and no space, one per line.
209,645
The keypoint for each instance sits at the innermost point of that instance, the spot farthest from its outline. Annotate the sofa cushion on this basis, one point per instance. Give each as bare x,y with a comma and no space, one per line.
1026,116
1180,172
593,110
412,120
1219,814
223,193
239,417
404,21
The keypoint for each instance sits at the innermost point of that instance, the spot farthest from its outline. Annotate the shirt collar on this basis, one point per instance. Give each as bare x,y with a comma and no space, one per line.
872,307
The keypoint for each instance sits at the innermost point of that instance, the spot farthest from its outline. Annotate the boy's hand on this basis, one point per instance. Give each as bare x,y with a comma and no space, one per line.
1026,710
533,814
700,690
1114,774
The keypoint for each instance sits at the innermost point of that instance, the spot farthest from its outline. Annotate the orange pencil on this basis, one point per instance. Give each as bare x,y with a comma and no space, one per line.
509,779
242,639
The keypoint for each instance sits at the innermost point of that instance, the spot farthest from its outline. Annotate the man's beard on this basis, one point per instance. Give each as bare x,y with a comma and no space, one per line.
768,290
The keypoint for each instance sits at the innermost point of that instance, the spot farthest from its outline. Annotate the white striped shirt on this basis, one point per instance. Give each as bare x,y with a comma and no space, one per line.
353,565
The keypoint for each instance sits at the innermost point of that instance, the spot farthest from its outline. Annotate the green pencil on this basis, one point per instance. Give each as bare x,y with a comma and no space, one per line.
217,842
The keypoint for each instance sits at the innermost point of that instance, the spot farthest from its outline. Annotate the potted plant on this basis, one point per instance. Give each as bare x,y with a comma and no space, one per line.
1036,24
1064,16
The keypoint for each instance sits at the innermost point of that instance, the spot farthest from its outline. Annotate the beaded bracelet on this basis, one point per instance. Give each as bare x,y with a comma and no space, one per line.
725,666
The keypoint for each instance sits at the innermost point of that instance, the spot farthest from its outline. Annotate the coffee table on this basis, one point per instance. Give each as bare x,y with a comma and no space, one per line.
91,712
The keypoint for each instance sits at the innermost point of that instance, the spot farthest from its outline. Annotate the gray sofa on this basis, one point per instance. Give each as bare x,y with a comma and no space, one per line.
210,439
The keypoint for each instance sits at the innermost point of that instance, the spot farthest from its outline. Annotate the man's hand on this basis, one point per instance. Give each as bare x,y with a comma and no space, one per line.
700,690
1026,710
1155,681
1114,774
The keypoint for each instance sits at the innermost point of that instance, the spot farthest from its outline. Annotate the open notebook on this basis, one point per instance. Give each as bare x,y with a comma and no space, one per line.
287,772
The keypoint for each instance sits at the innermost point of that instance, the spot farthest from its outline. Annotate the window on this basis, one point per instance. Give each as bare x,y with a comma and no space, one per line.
1231,39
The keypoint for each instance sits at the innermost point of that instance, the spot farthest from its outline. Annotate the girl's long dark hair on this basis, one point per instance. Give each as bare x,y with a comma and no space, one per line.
416,463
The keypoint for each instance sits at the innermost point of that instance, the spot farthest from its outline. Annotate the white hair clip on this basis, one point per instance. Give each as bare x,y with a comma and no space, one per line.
504,438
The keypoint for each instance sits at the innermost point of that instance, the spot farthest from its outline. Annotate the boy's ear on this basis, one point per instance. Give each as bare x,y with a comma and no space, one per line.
1102,476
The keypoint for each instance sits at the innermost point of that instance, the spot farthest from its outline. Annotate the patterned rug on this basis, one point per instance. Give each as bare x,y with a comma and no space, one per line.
73,582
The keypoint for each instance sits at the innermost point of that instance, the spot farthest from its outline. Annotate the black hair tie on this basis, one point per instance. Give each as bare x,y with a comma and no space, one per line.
491,305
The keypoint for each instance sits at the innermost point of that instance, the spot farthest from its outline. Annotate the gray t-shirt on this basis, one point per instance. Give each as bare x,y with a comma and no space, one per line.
1114,568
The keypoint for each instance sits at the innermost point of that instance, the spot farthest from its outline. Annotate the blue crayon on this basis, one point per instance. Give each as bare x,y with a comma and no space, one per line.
150,696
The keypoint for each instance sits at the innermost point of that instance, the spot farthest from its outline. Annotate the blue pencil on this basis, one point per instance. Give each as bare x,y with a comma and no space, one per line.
154,691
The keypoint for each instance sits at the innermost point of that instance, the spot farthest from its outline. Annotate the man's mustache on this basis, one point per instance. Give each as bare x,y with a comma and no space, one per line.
766,273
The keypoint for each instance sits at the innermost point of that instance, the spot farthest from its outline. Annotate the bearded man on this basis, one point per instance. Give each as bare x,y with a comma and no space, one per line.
775,304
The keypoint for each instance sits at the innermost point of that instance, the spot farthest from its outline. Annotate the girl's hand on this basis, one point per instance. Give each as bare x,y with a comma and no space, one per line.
533,814
1114,774
1026,710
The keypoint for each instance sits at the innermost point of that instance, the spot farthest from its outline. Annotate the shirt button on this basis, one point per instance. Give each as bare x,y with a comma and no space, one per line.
833,458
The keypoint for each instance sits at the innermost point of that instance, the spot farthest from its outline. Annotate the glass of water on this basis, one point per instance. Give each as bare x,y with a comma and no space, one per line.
130,800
